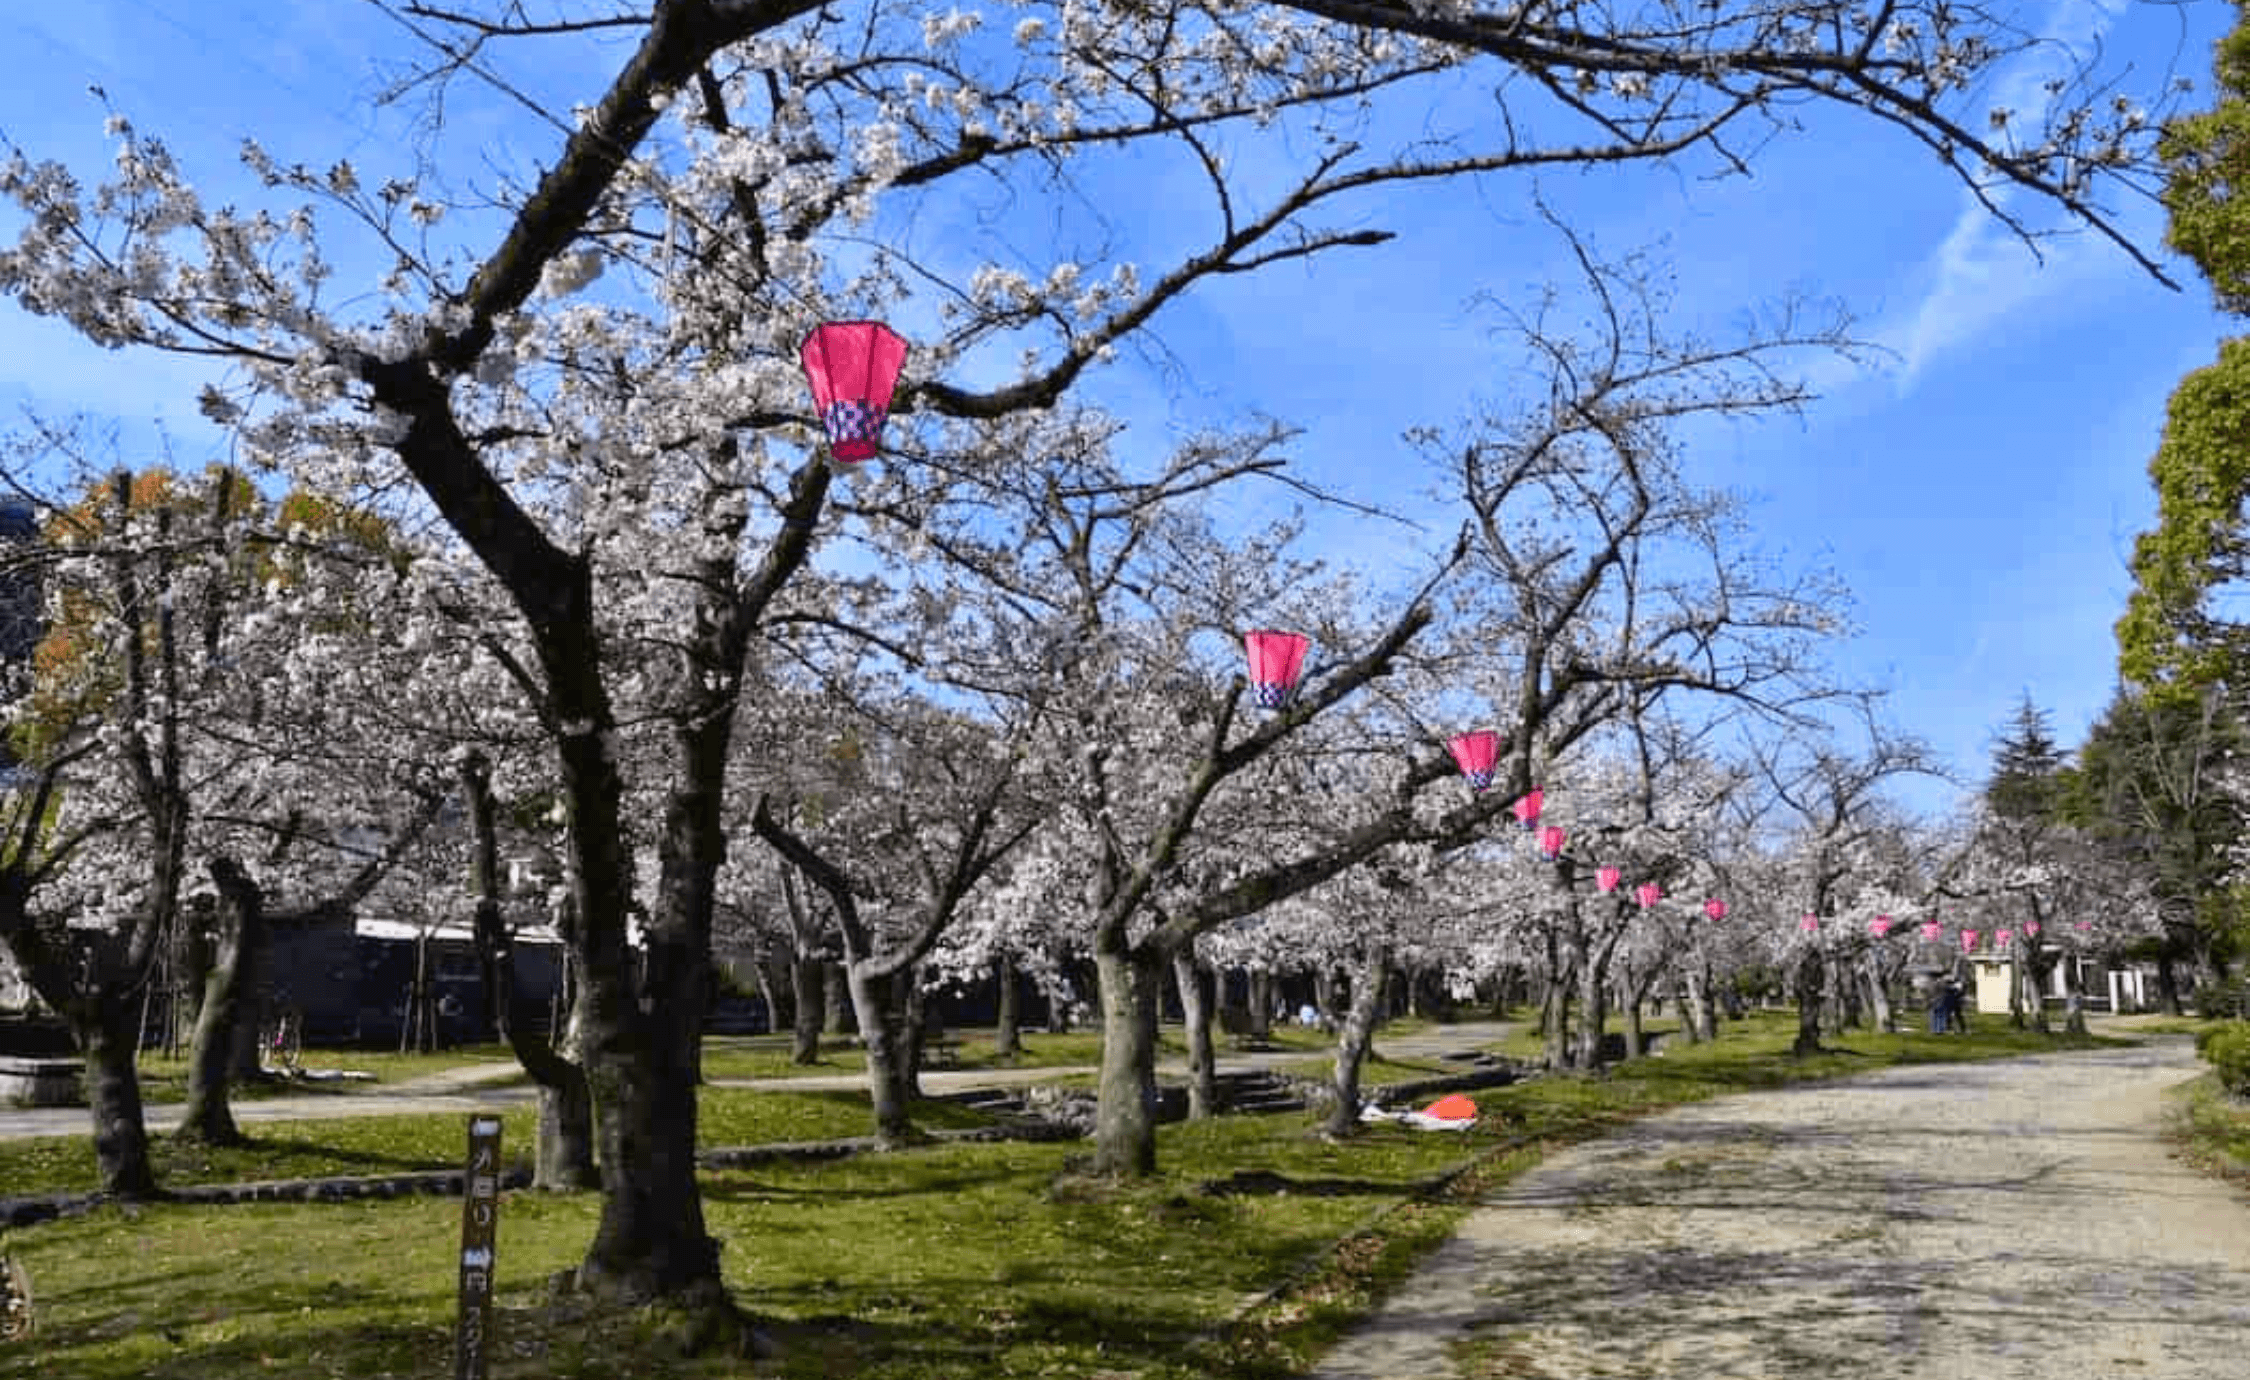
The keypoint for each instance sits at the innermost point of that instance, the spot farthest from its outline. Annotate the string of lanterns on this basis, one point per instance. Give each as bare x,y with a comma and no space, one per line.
853,367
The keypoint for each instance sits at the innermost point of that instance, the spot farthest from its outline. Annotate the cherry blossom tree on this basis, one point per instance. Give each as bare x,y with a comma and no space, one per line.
630,461
1828,802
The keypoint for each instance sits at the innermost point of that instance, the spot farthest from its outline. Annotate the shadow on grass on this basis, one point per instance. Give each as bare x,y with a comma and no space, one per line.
1248,1183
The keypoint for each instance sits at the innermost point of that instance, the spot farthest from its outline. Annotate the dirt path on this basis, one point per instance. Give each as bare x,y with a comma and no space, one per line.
2011,1219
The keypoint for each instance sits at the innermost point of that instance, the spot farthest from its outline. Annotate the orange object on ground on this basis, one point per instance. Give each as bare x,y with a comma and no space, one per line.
1453,1107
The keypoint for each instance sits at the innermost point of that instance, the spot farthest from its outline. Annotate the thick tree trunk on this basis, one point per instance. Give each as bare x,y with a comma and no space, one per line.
2074,996
1131,982
873,999
1352,1041
110,1043
2033,978
837,1017
914,1022
1554,1021
1261,1005
1194,981
1839,1006
2168,981
240,919
1694,998
1879,997
1593,1001
808,987
1808,980
1007,1038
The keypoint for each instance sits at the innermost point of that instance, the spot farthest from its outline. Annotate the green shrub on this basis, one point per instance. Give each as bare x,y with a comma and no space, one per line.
2228,1049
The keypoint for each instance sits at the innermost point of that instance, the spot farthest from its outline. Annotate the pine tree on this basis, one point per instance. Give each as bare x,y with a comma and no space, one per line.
2027,767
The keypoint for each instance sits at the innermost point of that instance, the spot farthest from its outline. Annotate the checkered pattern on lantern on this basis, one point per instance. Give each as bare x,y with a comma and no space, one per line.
1479,780
849,419
1271,694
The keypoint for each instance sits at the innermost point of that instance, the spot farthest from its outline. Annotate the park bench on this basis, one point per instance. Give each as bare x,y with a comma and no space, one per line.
39,1082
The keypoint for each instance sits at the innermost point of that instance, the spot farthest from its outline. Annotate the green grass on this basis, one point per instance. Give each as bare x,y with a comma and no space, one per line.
767,1056
391,1144
938,1262
2211,1128
164,1078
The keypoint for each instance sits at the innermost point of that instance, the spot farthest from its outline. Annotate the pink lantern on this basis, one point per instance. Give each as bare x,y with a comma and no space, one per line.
2084,926
2030,929
1810,924
853,368
1277,660
1931,929
1527,809
1648,894
1715,908
1476,753
2000,938
1607,878
1968,939
1879,926
1550,842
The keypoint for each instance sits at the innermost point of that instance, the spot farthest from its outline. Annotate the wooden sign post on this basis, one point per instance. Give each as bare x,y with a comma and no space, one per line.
480,1220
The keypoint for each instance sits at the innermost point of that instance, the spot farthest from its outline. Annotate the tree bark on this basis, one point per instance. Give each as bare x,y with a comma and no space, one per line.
1593,1001
1693,996
1353,1037
1879,994
1131,981
873,999
1810,971
2074,996
1261,1005
1194,982
836,1005
808,987
1007,1038
240,918
110,1043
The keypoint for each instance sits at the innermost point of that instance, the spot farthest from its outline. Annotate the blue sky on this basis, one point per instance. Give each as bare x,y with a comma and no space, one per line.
1979,496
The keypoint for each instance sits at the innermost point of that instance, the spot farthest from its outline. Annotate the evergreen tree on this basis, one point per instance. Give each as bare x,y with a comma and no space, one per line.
2173,639
2027,765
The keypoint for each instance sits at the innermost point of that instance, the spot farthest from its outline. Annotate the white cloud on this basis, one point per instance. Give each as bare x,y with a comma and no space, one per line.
1981,276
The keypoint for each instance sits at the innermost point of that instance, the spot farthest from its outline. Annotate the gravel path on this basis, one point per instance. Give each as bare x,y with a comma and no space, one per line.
2019,1218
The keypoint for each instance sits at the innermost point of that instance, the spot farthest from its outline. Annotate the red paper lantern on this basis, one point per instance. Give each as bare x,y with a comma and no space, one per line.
1648,894
2000,938
1810,924
1715,908
1607,878
1931,929
1968,939
2030,927
1277,661
1527,809
1476,753
1550,842
853,368
1879,926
